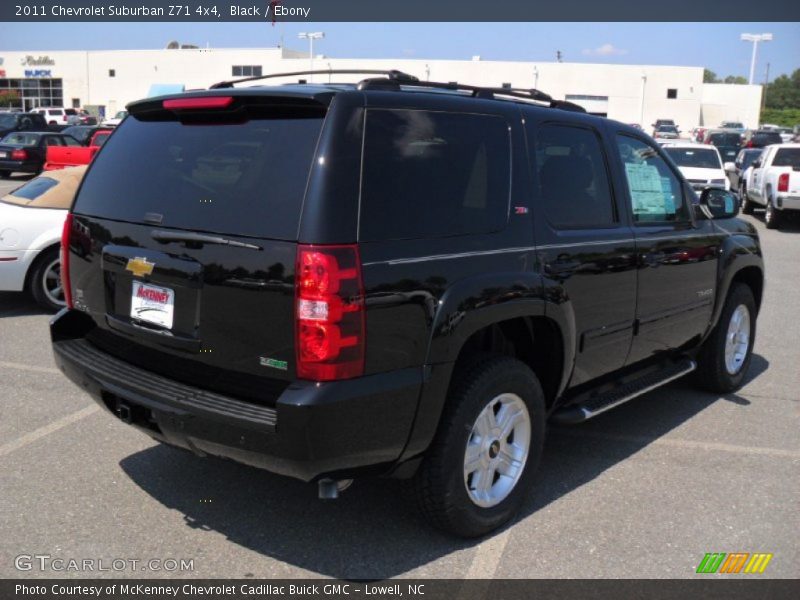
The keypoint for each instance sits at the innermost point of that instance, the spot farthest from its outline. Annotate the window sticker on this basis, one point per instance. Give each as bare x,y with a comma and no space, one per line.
647,190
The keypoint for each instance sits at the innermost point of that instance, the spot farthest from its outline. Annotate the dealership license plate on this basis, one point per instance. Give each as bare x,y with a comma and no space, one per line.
153,304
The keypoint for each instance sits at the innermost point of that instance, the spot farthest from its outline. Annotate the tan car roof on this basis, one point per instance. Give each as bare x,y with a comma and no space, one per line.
58,196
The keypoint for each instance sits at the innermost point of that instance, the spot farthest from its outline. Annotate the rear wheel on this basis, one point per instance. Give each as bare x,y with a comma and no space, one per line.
5,174
45,281
723,362
482,461
772,216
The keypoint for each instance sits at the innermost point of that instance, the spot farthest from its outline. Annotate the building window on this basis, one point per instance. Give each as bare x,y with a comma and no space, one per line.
112,73
672,93
76,103
246,71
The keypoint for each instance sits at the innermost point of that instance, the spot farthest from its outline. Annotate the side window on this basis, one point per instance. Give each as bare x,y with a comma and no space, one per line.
655,190
571,175
69,141
434,174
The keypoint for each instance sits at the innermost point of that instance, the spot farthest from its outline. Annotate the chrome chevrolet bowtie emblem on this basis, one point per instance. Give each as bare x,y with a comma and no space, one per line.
139,266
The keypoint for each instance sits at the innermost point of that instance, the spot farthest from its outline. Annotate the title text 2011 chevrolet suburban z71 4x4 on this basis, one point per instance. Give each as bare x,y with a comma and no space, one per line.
394,278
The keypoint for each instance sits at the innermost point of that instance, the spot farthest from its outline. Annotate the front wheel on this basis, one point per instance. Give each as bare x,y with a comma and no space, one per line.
479,467
725,357
747,206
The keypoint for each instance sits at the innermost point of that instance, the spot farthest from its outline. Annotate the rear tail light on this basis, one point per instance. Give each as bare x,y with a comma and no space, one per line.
65,236
330,328
783,182
749,144
19,154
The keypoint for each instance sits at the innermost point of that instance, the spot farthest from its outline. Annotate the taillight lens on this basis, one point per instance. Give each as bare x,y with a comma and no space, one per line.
330,325
783,182
19,154
65,235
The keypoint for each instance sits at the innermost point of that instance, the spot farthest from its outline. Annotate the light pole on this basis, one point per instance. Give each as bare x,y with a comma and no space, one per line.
755,38
311,36
535,77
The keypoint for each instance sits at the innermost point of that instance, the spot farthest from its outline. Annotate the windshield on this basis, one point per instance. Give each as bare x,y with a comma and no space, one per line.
237,178
7,121
732,125
765,138
724,139
668,129
20,139
787,157
697,158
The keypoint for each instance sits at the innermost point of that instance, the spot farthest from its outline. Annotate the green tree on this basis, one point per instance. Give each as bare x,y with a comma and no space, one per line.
735,79
784,91
709,76
9,98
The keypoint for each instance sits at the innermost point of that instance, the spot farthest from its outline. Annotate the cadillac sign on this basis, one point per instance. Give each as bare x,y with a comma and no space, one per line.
34,61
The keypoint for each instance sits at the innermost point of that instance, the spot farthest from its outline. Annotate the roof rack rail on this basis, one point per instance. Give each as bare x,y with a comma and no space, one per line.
395,80
391,75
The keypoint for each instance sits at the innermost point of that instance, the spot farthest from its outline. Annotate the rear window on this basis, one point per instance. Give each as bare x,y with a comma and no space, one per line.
237,178
766,138
725,139
20,139
34,188
787,157
698,158
433,174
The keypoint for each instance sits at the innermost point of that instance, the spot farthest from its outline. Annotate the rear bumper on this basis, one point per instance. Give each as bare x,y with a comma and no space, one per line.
788,202
17,166
337,429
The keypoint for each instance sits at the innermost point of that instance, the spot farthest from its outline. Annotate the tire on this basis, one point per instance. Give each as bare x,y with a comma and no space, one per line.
772,216
747,206
440,485
714,372
42,275
5,174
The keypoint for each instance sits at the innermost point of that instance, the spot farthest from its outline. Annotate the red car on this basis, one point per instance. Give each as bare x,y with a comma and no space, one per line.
59,157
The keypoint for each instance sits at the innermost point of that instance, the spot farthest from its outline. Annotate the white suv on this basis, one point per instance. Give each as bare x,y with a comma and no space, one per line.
56,115
700,164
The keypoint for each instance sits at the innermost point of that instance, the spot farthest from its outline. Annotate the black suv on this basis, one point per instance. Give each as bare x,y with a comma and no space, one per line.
11,122
394,278
760,138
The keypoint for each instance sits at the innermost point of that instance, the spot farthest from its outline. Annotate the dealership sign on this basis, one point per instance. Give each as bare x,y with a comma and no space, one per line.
37,73
33,61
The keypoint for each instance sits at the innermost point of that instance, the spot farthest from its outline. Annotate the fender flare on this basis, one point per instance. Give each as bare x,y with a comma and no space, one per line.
737,252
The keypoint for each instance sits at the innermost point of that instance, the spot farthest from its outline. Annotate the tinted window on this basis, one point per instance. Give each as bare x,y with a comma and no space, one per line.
724,139
571,174
787,157
70,141
8,121
79,133
749,158
698,158
655,191
432,174
237,178
34,188
766,138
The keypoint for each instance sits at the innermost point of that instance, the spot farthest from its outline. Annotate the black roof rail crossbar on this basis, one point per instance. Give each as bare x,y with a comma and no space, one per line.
477,91
392,74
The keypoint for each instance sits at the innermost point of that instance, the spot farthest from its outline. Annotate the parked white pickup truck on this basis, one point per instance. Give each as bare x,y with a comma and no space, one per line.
774,183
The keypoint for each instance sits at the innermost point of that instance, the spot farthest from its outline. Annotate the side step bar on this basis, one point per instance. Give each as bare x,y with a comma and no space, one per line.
600,403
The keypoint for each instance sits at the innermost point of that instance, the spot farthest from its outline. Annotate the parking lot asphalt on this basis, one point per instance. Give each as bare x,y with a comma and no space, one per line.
643,491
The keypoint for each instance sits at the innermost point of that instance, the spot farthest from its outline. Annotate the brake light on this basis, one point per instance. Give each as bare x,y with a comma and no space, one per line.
19,154
749,144
65,237
330,327
203,102
783,182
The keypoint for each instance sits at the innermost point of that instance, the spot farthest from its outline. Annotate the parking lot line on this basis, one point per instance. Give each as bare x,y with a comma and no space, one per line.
31,437
684,444
487,556
23,367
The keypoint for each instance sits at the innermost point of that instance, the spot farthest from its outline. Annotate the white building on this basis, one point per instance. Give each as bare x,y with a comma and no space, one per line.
109,79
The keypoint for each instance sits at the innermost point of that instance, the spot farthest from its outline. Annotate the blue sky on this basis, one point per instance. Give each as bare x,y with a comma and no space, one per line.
712,45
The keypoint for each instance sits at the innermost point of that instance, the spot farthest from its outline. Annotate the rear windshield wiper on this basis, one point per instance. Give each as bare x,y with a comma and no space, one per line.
183,236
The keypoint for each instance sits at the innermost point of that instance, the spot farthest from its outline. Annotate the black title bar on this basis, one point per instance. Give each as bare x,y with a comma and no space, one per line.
270,11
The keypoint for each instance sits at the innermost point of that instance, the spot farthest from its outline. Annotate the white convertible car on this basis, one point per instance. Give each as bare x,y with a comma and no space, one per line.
31,220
